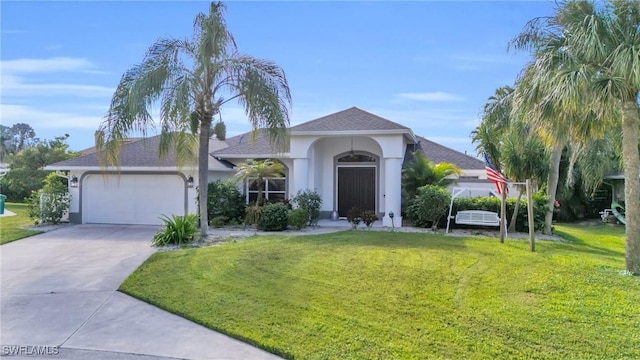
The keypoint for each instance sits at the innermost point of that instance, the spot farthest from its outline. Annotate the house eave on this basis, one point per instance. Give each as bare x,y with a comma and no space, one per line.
335,133
253,156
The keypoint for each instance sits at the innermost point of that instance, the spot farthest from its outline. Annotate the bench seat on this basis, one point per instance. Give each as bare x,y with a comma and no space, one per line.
477,217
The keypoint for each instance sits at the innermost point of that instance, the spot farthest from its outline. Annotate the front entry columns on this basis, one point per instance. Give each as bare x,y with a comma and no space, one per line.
392,191
300,176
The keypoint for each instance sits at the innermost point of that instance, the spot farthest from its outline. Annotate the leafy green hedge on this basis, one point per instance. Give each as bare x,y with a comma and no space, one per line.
493,204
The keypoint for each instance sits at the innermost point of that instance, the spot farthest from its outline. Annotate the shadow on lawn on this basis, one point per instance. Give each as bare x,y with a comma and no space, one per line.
580,245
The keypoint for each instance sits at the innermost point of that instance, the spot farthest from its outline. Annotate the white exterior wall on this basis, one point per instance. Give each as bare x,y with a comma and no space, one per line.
322,166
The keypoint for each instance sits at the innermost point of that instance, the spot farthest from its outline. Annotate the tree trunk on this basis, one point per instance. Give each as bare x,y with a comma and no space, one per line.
203,173
259,200
552,184
514,217
631,159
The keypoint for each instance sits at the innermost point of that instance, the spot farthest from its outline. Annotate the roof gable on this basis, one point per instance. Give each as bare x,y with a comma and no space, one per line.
352,119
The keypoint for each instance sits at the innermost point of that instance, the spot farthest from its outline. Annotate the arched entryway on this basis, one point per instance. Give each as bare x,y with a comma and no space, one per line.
356,180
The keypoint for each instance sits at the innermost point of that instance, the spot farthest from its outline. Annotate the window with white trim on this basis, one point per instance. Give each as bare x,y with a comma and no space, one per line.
275,189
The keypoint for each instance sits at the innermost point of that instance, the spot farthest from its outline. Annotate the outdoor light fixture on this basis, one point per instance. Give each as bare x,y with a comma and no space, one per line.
190,182
73,182
391,217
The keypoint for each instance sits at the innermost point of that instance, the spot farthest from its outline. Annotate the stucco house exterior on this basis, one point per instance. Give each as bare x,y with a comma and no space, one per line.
351,158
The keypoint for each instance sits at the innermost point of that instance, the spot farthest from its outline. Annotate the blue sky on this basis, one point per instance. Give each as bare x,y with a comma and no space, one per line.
428,65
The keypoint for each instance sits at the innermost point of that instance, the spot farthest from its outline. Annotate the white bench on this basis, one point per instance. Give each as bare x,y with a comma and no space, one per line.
477,217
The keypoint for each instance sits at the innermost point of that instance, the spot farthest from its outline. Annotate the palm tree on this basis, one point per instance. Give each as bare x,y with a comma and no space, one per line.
601,71
191,80
257,171
524,157
421,171
509,142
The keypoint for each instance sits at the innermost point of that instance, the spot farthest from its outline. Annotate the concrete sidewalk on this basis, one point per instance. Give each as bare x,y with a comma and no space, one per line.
59,290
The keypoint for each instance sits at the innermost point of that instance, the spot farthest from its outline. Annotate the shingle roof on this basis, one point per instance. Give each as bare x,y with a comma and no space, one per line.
244,144
439,153
137,152
352,119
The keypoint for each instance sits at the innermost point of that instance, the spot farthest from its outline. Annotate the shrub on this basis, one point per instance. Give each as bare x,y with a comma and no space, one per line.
177,230
253,214
369,217
275,217
430,204
224,199
218,221
298,218
310,201
354,217
49,204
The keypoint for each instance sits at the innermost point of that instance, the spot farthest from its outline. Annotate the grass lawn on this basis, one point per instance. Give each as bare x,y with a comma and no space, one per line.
12,227
382,295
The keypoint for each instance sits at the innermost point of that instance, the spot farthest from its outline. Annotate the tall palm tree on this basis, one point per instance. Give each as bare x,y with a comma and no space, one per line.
191,80
602,72
257,171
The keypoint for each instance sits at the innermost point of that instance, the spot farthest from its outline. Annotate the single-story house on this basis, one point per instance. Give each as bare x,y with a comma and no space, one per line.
351,158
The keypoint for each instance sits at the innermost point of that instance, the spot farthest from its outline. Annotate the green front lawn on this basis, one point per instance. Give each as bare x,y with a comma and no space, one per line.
368,295
13,227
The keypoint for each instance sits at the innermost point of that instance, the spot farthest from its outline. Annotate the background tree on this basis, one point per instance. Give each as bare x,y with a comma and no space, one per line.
256,171
26,174
421,171
192,79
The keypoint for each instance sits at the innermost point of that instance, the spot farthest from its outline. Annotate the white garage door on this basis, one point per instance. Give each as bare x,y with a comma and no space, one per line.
131,199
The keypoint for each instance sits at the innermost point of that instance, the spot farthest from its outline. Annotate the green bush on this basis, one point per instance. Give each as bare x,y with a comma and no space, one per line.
275,217
310,201
177,230
218,221
253,214
298,218
429,206
369,217
354,217
49,204
224,199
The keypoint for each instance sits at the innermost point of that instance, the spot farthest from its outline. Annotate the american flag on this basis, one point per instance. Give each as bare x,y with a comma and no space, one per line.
495,176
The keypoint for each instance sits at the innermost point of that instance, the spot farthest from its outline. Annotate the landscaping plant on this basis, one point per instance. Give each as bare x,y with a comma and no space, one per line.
354,217
369,217
298,218
310,201
224,199
275,217
430,204
177,230
49,204
253,214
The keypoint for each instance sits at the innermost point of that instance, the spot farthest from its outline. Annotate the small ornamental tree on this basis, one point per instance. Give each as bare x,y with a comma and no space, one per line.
49,204
429,205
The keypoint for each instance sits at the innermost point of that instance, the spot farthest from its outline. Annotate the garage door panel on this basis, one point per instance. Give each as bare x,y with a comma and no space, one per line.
131,199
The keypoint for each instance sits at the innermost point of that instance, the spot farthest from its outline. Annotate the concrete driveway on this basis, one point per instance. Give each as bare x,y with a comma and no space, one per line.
59,298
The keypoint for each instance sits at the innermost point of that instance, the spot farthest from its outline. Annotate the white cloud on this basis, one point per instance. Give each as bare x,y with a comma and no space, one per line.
14,86
40,119
55,64
436,96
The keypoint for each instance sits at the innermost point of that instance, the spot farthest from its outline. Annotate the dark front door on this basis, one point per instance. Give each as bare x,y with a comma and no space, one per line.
356,188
